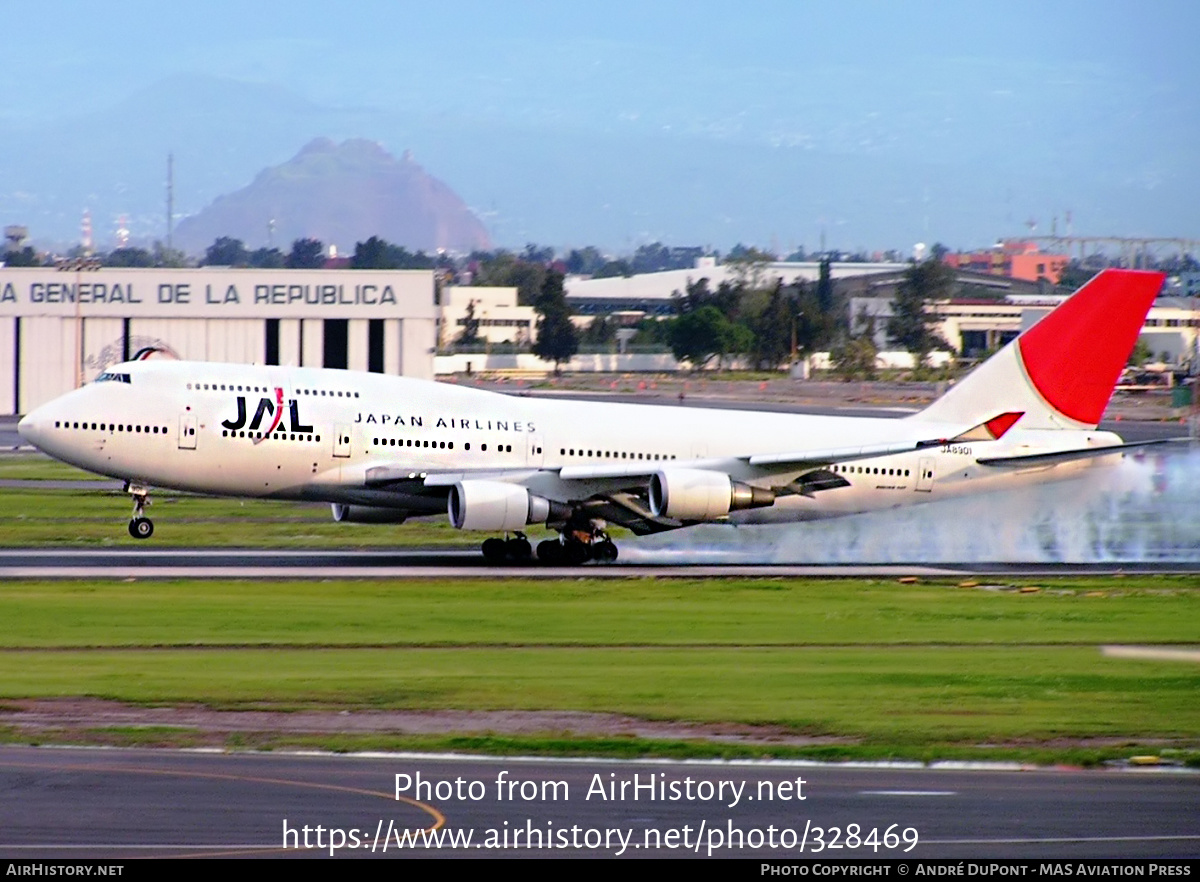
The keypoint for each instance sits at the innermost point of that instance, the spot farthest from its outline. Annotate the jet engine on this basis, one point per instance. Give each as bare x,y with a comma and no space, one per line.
494,505
702,495
367,514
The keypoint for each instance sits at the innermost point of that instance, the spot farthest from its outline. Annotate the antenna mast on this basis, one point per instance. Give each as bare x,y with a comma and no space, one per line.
170,198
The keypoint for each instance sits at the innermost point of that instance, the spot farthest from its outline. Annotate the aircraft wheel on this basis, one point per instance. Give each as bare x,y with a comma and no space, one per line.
550,551
605,552
141,528
494,550
519,550
575,552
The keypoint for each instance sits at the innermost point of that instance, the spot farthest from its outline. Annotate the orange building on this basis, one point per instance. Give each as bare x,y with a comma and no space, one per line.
1014,258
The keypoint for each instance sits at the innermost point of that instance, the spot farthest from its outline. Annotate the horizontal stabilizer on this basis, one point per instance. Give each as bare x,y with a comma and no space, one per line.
991,430
1034,459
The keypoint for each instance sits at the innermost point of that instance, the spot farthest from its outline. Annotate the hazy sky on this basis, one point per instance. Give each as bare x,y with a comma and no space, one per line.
953,121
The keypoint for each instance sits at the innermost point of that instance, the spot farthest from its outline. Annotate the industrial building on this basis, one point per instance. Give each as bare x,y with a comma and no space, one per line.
60,327
651,293
976,327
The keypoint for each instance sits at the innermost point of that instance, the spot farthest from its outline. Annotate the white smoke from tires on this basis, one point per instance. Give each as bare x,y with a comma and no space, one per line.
1144,510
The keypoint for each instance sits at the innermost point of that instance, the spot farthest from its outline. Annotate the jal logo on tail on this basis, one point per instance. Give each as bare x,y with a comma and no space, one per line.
267,408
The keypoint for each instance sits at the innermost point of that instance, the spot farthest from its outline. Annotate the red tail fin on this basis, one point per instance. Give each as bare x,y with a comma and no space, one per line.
1075,355
1061,372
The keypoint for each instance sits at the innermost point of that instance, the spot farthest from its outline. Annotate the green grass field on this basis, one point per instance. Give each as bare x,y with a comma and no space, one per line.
878,668
34,516
867,668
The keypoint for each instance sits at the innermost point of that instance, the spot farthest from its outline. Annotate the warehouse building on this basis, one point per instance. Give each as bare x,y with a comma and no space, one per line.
59,328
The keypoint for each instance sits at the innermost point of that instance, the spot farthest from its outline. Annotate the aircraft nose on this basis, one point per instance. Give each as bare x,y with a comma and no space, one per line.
30,426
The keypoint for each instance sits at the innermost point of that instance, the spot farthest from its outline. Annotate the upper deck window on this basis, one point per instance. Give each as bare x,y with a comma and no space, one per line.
110,377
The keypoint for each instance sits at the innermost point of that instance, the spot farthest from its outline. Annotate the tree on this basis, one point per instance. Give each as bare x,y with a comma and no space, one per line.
20,257
226,251
306,254
748,266
772,329
536,254
727,298
373,254
1075,275
1140,354
613,268
129,257
267,258
584,261
470,331
854,356
815,327
911,325
505,269
378,253
557,336
825,286
168,257
699,335
601,332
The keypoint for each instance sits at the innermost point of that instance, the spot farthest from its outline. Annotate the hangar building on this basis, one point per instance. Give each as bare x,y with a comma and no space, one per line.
60,328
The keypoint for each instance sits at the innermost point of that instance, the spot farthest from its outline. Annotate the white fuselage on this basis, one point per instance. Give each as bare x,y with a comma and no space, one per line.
204,427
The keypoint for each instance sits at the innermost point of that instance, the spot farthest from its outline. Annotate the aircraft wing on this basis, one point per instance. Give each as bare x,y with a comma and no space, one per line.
626,503
619,492
802,460
798,460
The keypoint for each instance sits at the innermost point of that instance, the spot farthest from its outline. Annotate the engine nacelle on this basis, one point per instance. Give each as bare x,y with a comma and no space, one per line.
702,495
494,505
367,514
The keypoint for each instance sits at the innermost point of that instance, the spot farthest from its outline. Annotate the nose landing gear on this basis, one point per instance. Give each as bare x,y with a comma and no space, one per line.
140,526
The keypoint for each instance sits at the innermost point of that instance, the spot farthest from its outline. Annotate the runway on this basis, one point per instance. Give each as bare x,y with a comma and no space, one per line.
118,804
213,563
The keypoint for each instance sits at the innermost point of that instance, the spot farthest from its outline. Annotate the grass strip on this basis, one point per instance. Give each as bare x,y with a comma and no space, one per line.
885,696
636,612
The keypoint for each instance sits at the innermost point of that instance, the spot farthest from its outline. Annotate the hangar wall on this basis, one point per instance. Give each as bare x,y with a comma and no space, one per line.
60,329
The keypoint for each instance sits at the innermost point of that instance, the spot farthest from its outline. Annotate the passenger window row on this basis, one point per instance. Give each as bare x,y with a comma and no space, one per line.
109,427
226,387
613,454
237,387
278,436
440,445
331,393
868,470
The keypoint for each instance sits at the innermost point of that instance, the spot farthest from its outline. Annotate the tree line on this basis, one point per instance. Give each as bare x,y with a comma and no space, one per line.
762,321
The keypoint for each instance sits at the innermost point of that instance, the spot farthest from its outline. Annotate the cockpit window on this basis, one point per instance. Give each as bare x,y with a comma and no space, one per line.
110,377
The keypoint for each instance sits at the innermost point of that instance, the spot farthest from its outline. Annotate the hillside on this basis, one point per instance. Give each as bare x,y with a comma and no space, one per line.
339,194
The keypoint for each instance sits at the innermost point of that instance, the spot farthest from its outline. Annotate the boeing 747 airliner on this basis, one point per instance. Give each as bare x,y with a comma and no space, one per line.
382,448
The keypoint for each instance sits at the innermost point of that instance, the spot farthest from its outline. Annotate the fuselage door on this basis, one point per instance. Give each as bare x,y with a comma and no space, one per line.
341,440
187,431
925,474
535,458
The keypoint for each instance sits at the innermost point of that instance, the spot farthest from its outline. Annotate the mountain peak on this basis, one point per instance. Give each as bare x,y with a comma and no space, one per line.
341,194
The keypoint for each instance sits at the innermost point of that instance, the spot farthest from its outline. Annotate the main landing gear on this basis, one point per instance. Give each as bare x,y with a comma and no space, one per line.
512,549
140,526
579,544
